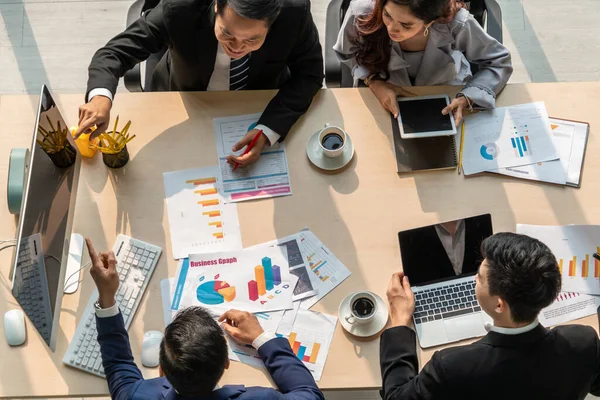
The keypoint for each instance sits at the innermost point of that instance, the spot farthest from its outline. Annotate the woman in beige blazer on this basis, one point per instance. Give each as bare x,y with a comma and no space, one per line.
390,43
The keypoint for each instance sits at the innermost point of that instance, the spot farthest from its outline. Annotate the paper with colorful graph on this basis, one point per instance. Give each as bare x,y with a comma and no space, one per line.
247,280
574,247
199,219
310,338
507,137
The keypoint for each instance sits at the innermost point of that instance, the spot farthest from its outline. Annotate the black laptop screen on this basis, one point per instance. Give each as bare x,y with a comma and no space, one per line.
444,251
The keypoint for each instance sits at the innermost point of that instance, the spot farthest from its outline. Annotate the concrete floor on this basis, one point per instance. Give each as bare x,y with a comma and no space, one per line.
52,41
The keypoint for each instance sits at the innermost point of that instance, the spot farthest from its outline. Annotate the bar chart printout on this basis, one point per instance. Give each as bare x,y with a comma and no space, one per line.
323,264
574,247
310,339
567,307
199,219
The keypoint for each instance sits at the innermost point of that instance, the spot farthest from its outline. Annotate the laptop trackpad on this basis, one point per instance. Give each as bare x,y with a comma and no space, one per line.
464,327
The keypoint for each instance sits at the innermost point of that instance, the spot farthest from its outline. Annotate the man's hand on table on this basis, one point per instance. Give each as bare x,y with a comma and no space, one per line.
242,326
253,155
94,112
105,275
401,299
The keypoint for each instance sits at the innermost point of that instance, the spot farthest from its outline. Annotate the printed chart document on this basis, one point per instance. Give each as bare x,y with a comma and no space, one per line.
268,177
570,138
328,270
569,307
247,280
507,137
199,219
246,353
298,266
310,339
573,246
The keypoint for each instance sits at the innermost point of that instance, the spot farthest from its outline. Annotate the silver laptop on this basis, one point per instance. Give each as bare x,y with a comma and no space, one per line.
441,262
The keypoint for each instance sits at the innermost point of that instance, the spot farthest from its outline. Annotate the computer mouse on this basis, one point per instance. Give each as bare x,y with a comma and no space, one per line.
14,327
151,348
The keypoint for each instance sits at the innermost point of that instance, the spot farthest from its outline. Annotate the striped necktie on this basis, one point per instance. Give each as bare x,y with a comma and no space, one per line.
238,73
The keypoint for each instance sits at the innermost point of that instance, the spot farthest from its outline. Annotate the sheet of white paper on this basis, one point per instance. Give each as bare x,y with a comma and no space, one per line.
573,246
267,177
287,322
554,171
247,354
199,219
298,266
249,280
507,137
167,291
577,153
310,338
569,307
323,264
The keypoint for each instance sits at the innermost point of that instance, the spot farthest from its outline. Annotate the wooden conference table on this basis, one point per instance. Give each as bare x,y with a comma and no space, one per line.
356,212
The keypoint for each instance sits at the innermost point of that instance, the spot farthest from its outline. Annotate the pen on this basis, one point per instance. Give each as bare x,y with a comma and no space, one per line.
250,146
596,256
460,151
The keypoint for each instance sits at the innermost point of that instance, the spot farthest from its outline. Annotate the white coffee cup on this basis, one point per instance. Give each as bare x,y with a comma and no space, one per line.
363,308
335,138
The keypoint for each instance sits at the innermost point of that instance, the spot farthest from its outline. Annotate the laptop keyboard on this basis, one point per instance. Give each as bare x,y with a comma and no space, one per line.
445,302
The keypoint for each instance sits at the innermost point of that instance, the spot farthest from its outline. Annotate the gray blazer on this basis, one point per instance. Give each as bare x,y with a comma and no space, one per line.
445,60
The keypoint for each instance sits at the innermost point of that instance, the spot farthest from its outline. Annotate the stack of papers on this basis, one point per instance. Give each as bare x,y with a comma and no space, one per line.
277,281
507,137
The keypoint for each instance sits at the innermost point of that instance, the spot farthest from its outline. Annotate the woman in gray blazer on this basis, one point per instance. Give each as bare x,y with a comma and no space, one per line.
390,43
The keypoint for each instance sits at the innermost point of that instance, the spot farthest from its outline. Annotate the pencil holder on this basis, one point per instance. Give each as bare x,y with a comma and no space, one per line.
116,160
113,145
64,157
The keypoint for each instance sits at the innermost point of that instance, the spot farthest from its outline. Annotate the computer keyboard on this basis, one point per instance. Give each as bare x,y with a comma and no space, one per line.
136,261
30,286
447,301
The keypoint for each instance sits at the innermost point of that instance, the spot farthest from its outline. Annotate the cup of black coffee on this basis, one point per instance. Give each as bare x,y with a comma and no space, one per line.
332,140
363,307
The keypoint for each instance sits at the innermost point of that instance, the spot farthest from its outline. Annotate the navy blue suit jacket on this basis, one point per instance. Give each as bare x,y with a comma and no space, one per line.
125,381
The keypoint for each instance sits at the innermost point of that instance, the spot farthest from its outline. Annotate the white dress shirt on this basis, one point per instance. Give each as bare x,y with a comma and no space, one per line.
453,244
114,310
512,331
219,81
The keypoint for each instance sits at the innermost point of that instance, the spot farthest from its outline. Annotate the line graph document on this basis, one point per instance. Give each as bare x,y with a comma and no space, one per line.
507,137
267,177
199,219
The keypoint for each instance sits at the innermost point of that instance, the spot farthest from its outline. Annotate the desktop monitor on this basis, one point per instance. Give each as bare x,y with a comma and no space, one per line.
45,221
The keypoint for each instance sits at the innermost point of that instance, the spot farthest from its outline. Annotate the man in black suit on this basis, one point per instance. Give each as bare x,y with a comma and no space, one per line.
217,45
518,358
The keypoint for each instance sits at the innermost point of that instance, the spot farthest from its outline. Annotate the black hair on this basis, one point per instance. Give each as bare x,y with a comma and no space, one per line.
267,10
193,352
523,272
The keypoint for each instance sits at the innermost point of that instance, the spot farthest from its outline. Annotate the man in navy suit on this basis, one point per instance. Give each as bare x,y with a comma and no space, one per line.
193,353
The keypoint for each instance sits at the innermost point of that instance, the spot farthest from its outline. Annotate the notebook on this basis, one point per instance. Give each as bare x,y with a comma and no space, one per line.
423,154
570,137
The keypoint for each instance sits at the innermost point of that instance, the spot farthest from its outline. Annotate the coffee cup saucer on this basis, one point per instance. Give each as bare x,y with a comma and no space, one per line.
371,328
320,160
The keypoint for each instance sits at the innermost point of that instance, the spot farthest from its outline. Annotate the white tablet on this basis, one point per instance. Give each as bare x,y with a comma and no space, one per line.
421,117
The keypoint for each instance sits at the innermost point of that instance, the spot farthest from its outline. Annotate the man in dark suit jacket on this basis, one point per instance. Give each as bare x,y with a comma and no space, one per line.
518,358
217,45
193,353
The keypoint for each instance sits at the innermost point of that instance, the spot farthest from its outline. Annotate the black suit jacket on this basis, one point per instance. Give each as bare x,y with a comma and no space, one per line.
289,60
562,363
424,258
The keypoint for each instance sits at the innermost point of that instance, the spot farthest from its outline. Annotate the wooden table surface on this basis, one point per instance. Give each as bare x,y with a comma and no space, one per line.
356,212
